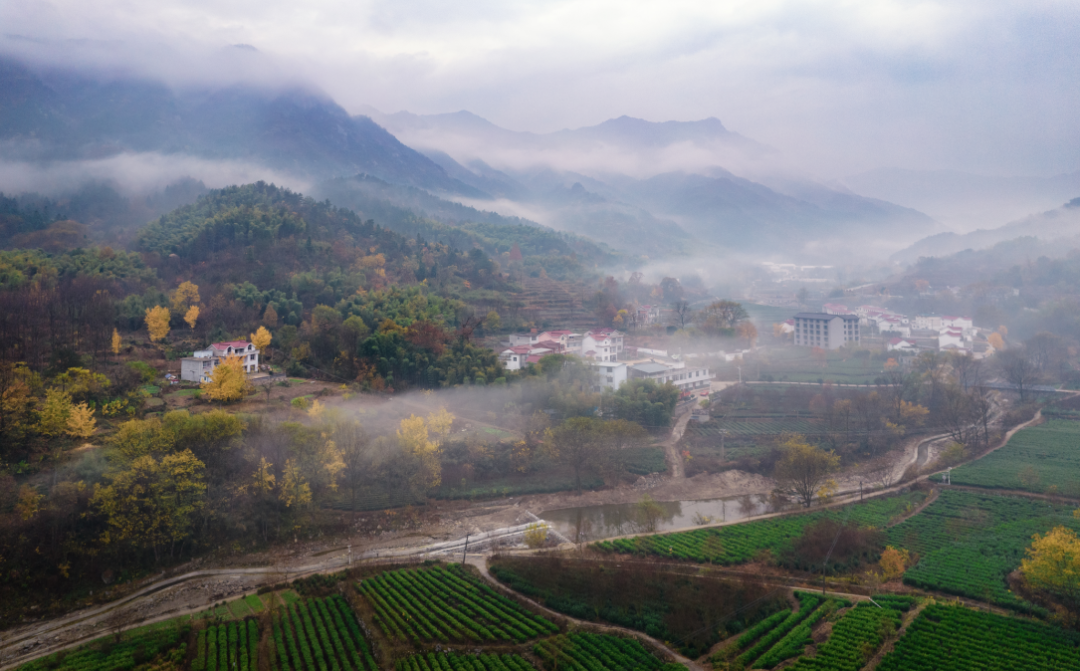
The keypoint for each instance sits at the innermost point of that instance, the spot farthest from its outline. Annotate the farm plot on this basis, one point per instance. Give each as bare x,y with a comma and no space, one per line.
1035,459
446,604
163,644
740,543
958,639
318,634
755,426
855,639
230,646
970,542
779,637
596,652
667,605
450,661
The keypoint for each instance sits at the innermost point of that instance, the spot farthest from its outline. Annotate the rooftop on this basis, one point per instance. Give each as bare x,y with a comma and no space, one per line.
651,368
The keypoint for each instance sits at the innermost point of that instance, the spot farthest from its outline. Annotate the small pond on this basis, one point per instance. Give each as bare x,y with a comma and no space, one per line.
605,521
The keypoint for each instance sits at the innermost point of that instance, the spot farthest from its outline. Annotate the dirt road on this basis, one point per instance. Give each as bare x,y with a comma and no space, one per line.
671,452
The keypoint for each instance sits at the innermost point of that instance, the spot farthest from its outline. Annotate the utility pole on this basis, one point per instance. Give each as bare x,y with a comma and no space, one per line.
465,549
723,452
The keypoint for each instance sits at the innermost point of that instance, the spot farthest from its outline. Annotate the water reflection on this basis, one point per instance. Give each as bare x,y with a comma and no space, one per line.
586,523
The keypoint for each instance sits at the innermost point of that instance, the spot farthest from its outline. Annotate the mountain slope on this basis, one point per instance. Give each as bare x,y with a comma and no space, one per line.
51,115
1058,224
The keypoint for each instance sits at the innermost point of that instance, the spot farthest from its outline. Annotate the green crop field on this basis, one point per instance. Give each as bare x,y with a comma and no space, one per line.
740,543
969,542
595,652
855,639
958,639
319,634
452,661
135,647
1035,459
779,637
227,647
446,604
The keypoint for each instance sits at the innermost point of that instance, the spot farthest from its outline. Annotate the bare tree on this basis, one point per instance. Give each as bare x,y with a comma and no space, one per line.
682,313
355,447
1018,370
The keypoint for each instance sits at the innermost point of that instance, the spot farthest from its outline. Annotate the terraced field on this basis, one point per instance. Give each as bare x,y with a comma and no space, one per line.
969,543
1034,460
779,637
446,604
958,639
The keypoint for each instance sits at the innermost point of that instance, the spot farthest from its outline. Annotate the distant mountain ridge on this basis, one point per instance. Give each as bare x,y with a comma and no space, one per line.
52,115
1062,223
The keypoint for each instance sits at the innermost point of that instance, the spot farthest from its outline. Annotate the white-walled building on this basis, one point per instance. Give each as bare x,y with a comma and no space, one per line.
602,345
683,377
201,364
901,345
610,374
819,329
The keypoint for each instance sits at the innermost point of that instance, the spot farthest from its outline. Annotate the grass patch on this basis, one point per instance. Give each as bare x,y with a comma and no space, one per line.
254,603
239,609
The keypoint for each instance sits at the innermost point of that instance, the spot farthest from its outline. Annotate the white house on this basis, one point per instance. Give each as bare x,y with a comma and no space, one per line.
602,345
201,364
900,345
963,323
950,336
610,374
928,322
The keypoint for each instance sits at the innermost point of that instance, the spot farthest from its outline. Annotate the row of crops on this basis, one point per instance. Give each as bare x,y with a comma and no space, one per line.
1035,459
969,542
135,648
234,645
950,638
739,543
596,652
856,638
320,634
446,604
450,661
780,636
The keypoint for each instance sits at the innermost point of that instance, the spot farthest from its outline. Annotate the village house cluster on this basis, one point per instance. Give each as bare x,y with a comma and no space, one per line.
605,349
836,326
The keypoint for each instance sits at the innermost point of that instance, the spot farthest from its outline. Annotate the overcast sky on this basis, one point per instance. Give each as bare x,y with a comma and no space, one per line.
978,85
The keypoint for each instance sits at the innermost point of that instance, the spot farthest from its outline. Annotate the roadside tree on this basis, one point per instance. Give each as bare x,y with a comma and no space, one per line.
804,469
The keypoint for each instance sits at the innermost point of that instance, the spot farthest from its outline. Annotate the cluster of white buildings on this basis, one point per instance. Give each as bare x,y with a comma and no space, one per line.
606,351
952,333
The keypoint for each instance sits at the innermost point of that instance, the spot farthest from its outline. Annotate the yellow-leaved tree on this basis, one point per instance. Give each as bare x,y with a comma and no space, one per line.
422,440
261,339
228,382
55,412
186,295
996,341
192,316
1053,564
805,470
152,503
893,563
116,342
295,490
157,322
81,422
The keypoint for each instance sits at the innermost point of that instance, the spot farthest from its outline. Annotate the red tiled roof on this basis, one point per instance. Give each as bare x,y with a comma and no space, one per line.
235,344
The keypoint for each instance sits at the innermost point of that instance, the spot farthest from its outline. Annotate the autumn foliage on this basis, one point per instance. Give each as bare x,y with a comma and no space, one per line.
228,382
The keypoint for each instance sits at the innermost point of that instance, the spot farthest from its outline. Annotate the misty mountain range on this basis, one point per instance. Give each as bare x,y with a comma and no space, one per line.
648,189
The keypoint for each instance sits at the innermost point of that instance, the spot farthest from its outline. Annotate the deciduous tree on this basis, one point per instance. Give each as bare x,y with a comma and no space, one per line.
261,339
185,296
228,382
116,342
157,322
81,422
55,412
1053,564
192,316
804,469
